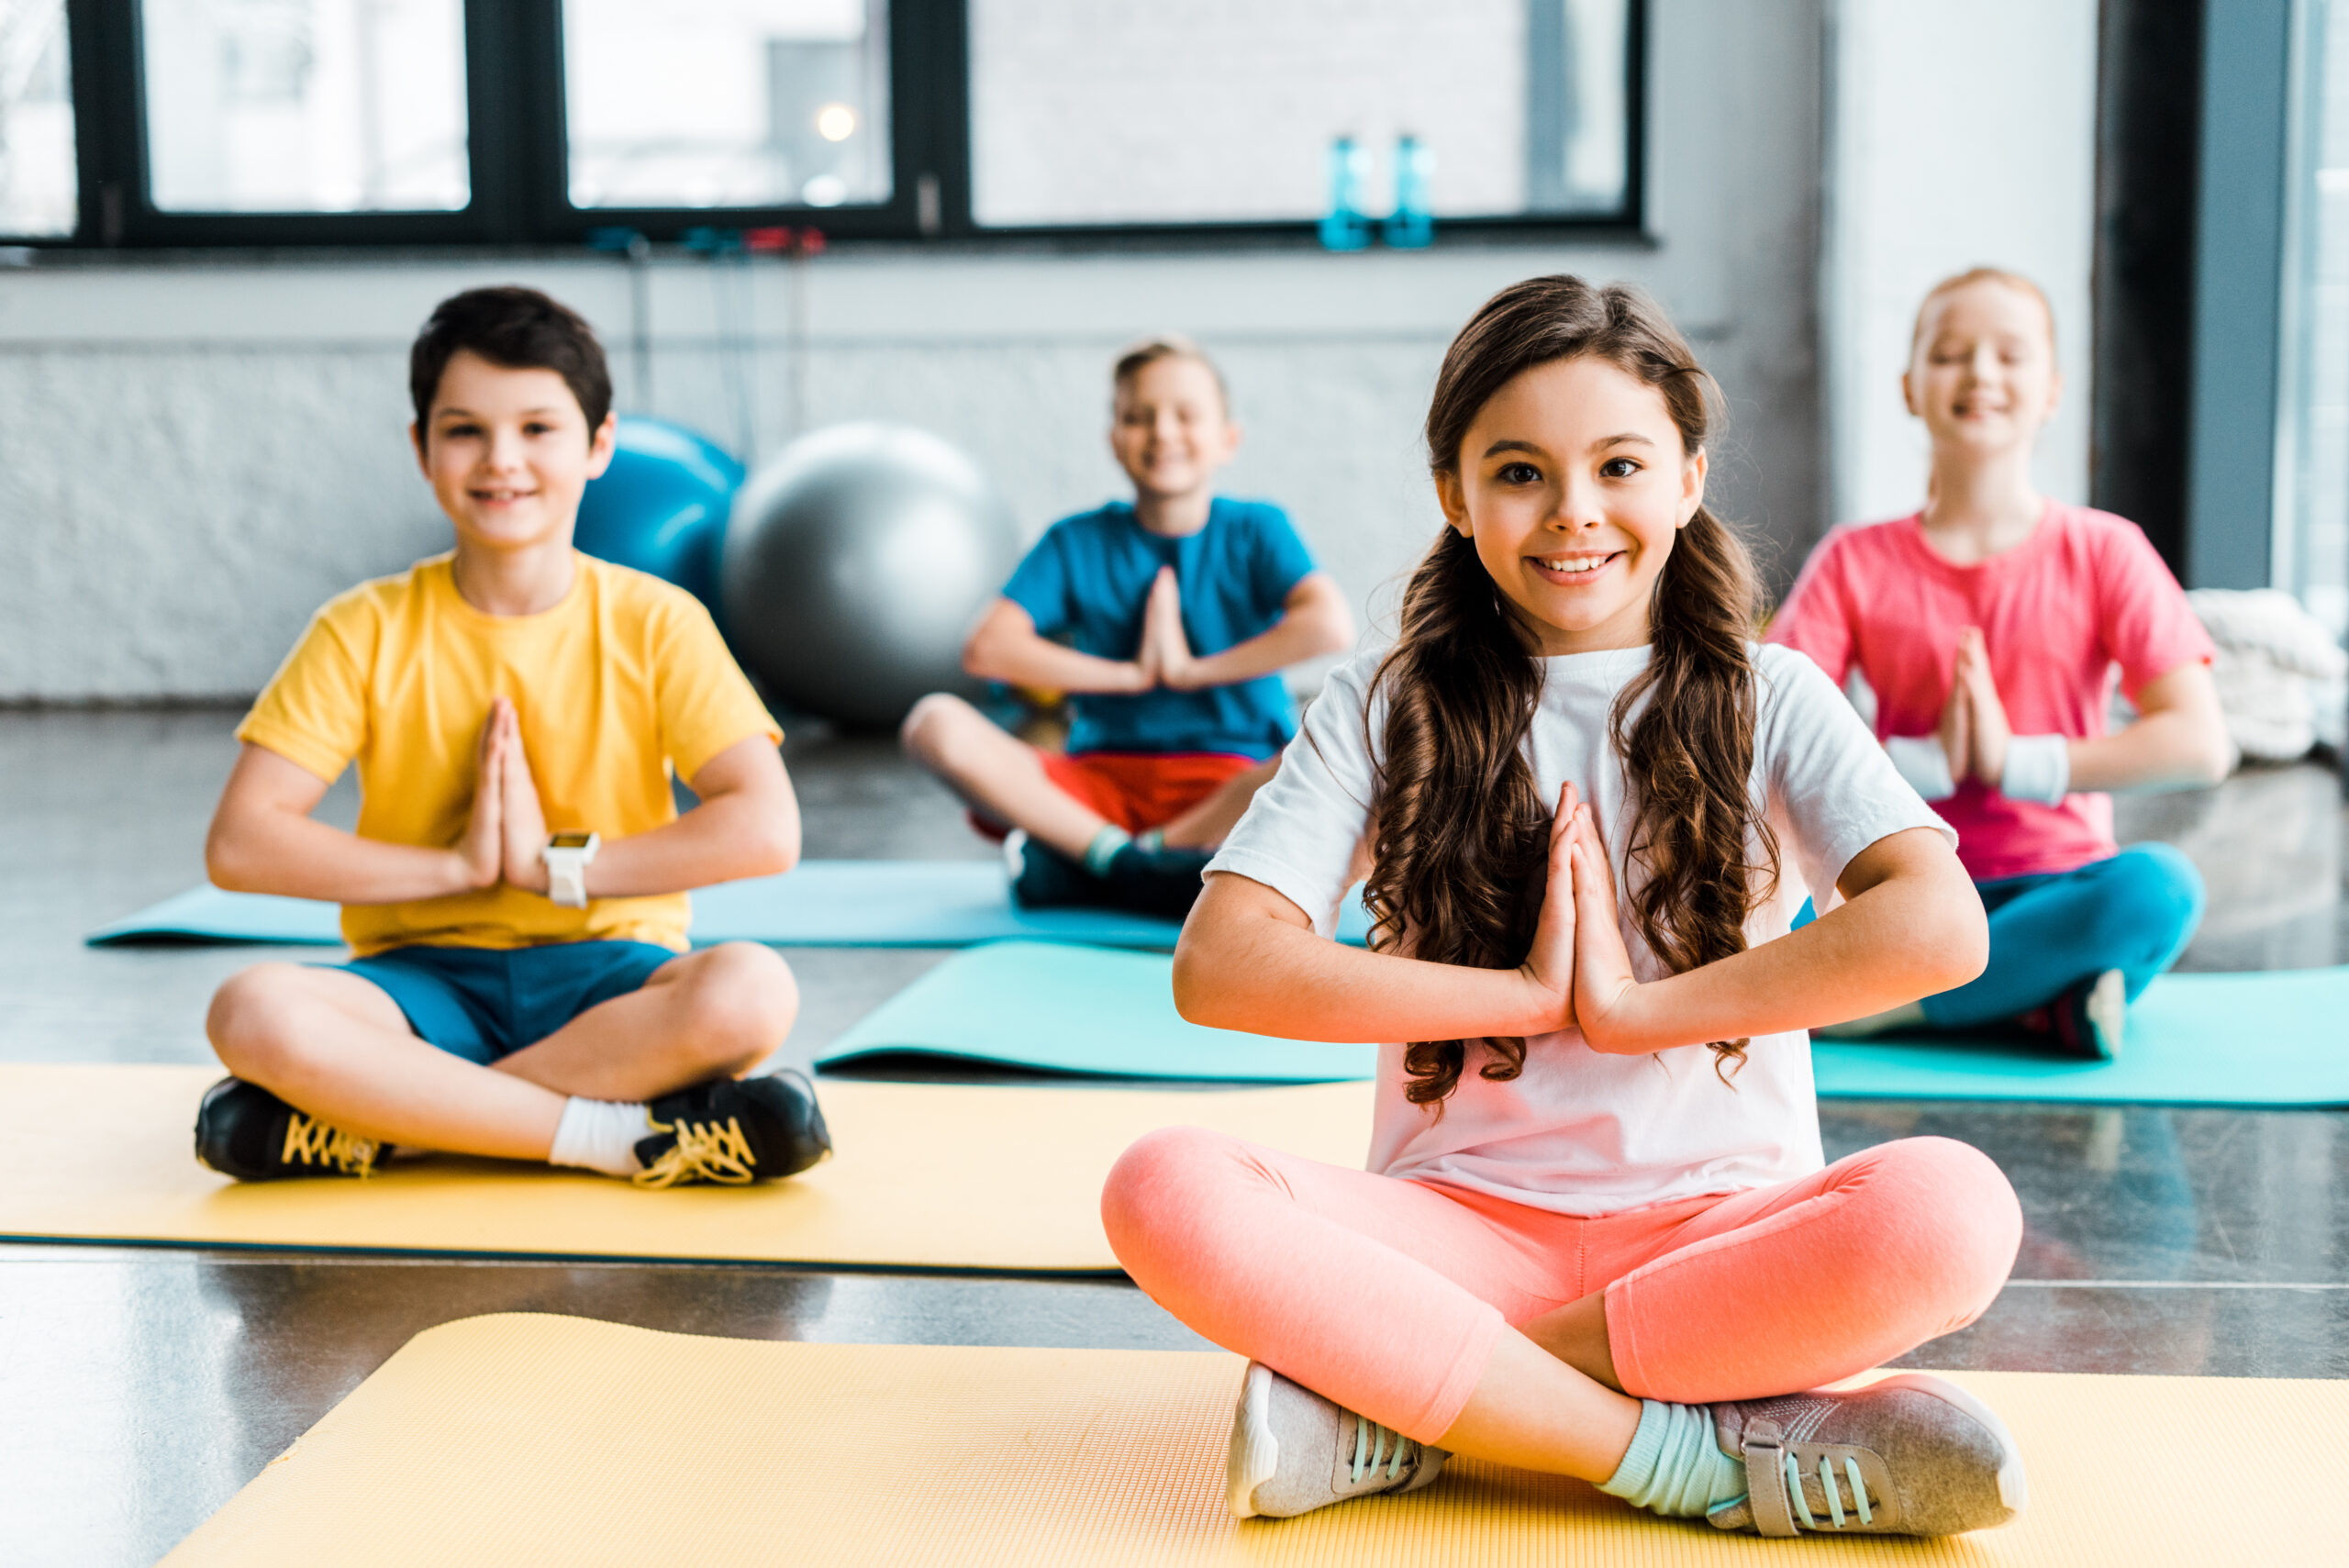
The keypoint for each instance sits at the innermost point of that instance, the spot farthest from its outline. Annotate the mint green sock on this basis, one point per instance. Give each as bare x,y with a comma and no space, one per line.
1152,841
1104,847
1675,1467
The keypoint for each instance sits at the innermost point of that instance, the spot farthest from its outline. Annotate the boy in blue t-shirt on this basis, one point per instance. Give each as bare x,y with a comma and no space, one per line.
1176,614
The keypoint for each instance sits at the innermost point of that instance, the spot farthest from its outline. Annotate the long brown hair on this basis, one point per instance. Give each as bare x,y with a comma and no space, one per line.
1460,831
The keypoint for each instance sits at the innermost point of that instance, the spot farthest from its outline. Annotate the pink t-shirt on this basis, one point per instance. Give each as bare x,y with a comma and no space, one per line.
2083,596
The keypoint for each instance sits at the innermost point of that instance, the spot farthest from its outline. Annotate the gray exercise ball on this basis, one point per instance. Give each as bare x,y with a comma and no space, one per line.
855,561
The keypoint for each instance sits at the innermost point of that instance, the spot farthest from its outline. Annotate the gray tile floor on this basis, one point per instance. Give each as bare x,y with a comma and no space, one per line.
140,1387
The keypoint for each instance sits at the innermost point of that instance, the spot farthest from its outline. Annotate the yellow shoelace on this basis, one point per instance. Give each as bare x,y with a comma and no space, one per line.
704,1152
310,1142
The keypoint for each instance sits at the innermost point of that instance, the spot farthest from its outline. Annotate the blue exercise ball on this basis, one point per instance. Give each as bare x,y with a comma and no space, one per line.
854,564
663,504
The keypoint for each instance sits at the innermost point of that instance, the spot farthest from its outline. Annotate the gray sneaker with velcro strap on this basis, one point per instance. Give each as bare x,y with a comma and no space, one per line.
1293,1451
1910,1455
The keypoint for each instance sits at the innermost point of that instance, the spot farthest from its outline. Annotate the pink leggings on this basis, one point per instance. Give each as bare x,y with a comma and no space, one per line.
1388,1295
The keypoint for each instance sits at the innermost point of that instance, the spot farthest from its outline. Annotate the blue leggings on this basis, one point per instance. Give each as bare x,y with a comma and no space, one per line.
2133,912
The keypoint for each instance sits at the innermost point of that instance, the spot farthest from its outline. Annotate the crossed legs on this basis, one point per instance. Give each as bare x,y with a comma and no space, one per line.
1496,1330
1004,777
336,1046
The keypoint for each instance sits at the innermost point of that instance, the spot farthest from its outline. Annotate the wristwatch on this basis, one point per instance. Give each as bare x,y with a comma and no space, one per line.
567,858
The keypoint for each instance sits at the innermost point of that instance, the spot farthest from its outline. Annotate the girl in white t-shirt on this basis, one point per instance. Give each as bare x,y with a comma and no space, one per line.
1595,1236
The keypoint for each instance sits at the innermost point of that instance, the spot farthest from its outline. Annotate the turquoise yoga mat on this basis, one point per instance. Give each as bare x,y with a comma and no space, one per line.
821,904
1072,1009
2272,1039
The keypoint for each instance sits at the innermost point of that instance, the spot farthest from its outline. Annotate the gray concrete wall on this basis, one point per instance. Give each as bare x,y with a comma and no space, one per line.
195,451
1962,133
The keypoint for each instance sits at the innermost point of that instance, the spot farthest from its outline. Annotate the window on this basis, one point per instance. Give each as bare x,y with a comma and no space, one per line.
564,122
1083,114
2312,537
36,175
304,106
727,102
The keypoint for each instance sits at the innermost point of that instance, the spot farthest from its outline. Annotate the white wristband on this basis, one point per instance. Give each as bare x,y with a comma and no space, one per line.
1923,764
2039,767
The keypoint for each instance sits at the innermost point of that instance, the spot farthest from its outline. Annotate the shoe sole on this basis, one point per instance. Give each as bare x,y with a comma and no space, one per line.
2108,1014
2014,1487
1255,1455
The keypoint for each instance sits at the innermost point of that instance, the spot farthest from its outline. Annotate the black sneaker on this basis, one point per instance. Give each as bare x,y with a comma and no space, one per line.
1044,878
1157,882
734,1131
243,1131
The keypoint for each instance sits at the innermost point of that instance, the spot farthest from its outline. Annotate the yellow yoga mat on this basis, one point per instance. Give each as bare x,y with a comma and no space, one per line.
523,1439
923,1174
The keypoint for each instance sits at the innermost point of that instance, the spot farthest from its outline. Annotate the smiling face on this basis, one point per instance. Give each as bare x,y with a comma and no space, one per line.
508,453
1572,484
1982,373
1169,428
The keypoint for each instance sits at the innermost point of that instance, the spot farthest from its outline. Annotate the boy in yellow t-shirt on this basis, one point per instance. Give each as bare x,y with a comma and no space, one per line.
514,895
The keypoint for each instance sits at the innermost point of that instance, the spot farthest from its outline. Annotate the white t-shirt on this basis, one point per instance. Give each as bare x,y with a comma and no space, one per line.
1577,1131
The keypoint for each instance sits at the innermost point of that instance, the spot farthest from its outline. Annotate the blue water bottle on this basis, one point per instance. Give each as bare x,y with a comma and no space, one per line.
1345,228
1411,225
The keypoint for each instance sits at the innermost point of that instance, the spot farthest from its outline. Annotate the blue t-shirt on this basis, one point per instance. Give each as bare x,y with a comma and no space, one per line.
1088,579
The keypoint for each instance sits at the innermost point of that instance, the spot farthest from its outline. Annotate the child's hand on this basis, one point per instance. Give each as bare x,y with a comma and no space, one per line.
1166,652
1987,713
526,819
482,849
1549,968
1605,992
1956,731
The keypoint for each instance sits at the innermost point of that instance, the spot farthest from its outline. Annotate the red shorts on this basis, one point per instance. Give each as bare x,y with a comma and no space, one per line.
1136,790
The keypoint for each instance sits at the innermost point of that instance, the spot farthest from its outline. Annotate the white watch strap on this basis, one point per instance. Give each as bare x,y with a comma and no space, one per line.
1923,764
2039,767
567,878
567,872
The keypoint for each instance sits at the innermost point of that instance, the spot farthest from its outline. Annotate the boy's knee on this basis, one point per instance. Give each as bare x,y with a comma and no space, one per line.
928,733
739,1006
250,1022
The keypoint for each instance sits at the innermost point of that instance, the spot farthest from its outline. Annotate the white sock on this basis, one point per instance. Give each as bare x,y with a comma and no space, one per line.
600,1134
1108,839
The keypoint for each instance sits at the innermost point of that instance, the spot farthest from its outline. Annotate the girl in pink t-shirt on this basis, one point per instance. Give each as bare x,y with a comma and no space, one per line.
1993,626
1597,1236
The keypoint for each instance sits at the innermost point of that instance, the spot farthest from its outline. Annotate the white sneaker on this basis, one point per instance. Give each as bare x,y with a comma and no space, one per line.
1293,1451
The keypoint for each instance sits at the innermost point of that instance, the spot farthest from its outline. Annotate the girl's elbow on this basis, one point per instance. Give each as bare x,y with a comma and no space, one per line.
1196,997
1960,951
2216,761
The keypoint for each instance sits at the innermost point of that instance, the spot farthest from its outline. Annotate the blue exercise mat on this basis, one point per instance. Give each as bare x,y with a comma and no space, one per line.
2244,1039
821,904
1072,1009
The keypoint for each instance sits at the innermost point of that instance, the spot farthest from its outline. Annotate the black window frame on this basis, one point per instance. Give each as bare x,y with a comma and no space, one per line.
519,159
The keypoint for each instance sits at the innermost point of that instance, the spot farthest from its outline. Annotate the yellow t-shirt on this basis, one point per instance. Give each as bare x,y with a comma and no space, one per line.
623,679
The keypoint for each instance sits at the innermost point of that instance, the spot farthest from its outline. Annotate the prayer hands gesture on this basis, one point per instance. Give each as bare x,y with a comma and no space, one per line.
1165,657
507,828
482,849
1974,728
1578,957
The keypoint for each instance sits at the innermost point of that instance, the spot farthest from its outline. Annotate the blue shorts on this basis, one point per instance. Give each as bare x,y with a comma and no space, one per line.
485,1003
